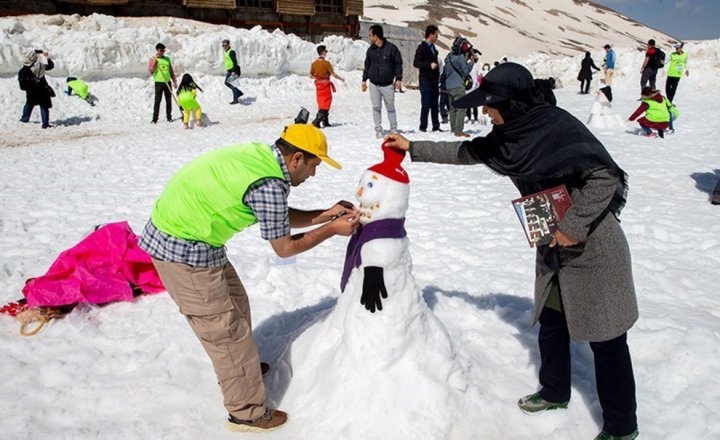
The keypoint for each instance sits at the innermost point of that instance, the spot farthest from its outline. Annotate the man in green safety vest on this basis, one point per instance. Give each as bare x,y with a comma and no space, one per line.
161,70
81,89
209,200
678,65
232,71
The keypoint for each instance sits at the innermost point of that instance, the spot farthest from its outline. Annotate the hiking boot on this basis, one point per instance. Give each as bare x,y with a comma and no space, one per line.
533,403
461,134
234,101
379,134
270,421
605,436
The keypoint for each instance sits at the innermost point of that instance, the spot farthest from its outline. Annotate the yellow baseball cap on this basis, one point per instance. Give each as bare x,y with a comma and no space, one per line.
309,138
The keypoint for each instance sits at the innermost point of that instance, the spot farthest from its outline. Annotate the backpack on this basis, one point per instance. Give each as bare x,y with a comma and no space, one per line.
659,58
460,45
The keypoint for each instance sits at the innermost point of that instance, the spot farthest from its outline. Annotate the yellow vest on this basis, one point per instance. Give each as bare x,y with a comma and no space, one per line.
162,70
677,64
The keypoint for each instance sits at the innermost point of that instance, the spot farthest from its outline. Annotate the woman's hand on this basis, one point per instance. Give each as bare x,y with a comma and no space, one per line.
562,239
394,140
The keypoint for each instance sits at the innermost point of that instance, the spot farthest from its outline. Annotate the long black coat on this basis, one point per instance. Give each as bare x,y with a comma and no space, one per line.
37,91
586,64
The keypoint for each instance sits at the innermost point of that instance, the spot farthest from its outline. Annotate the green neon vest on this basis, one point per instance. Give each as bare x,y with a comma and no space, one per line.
657,112
162,70
186,99
228,62
204,200
79,87
677,64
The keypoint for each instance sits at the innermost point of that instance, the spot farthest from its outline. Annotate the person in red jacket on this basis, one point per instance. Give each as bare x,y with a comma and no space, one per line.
657,114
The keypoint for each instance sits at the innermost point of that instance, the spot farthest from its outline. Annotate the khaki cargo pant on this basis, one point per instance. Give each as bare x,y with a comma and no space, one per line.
216,306
609,73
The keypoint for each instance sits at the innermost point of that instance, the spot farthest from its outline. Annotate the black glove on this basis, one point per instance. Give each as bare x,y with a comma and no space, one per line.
373,287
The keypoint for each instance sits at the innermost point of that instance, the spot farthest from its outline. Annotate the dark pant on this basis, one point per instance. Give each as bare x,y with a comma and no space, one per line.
429,97
160,90
671,85
322,119
472,113
235,91
444,106
648,75
44,114
585,86
613,372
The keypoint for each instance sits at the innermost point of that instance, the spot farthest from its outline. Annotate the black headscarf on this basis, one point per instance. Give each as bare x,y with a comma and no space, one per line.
540,146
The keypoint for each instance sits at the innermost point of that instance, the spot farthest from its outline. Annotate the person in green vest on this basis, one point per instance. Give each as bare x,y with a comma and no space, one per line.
657,113
678,65
206,203
187,93
81,89
161,70
232,71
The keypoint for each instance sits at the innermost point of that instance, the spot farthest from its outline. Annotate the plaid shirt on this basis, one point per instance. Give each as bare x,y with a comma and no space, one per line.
268,200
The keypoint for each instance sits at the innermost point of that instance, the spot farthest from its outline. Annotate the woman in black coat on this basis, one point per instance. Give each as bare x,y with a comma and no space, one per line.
584,288
37,90
585,75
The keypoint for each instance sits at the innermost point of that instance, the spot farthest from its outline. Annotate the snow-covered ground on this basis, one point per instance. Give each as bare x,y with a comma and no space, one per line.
128,371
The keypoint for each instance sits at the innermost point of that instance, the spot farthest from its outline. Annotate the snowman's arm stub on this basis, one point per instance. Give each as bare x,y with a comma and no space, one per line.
373,288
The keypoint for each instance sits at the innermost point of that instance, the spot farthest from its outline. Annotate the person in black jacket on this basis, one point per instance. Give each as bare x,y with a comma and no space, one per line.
232,70
426,61
384,69
585,75
546,87
37,90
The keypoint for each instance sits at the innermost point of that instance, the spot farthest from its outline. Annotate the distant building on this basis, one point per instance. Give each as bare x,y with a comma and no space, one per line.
310,19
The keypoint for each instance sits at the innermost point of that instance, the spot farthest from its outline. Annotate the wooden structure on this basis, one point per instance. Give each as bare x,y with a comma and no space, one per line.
310,19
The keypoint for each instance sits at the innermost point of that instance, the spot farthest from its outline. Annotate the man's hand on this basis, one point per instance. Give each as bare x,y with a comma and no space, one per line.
346,224
339,209
363,87
394,140
174,84
398,85
433,66
562,239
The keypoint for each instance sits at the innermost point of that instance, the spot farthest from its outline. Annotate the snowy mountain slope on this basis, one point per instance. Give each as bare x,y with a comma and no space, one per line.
517,28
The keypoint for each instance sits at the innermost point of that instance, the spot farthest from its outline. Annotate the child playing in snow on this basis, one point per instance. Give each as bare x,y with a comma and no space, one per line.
320,71
80,88
186,93
657,113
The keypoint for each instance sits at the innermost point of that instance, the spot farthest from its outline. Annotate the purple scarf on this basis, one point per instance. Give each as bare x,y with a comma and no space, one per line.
386,228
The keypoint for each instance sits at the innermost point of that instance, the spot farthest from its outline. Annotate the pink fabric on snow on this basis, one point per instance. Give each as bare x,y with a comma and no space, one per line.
100,269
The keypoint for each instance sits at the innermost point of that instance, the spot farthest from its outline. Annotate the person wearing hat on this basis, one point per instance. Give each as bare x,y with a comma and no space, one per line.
678,65
161,70
232,71
31,78
209,200
657,113
583,285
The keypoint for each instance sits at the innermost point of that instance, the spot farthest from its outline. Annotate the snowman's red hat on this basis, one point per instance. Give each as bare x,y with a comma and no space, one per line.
390,166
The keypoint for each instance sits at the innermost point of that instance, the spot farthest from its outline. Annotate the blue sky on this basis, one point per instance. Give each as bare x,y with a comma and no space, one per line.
684,19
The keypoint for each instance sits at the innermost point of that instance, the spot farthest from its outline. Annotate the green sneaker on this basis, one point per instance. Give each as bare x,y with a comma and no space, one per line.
605,436
533,403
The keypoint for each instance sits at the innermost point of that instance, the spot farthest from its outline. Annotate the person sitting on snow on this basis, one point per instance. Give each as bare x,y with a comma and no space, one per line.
657,114
186,98
321,70
80,88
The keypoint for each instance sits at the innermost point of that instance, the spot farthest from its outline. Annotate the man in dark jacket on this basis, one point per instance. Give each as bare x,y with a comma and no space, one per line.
426,61
37,90
232,69
384,69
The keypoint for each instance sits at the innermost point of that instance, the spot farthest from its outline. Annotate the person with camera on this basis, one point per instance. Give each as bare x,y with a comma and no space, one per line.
458,65
37,90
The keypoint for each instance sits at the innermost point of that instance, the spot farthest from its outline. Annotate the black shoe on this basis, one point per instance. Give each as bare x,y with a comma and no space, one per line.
234,101
424,130
439,130
169,119
154,121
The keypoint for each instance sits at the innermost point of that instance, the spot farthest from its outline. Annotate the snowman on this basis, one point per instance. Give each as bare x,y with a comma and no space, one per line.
380,355
602,114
